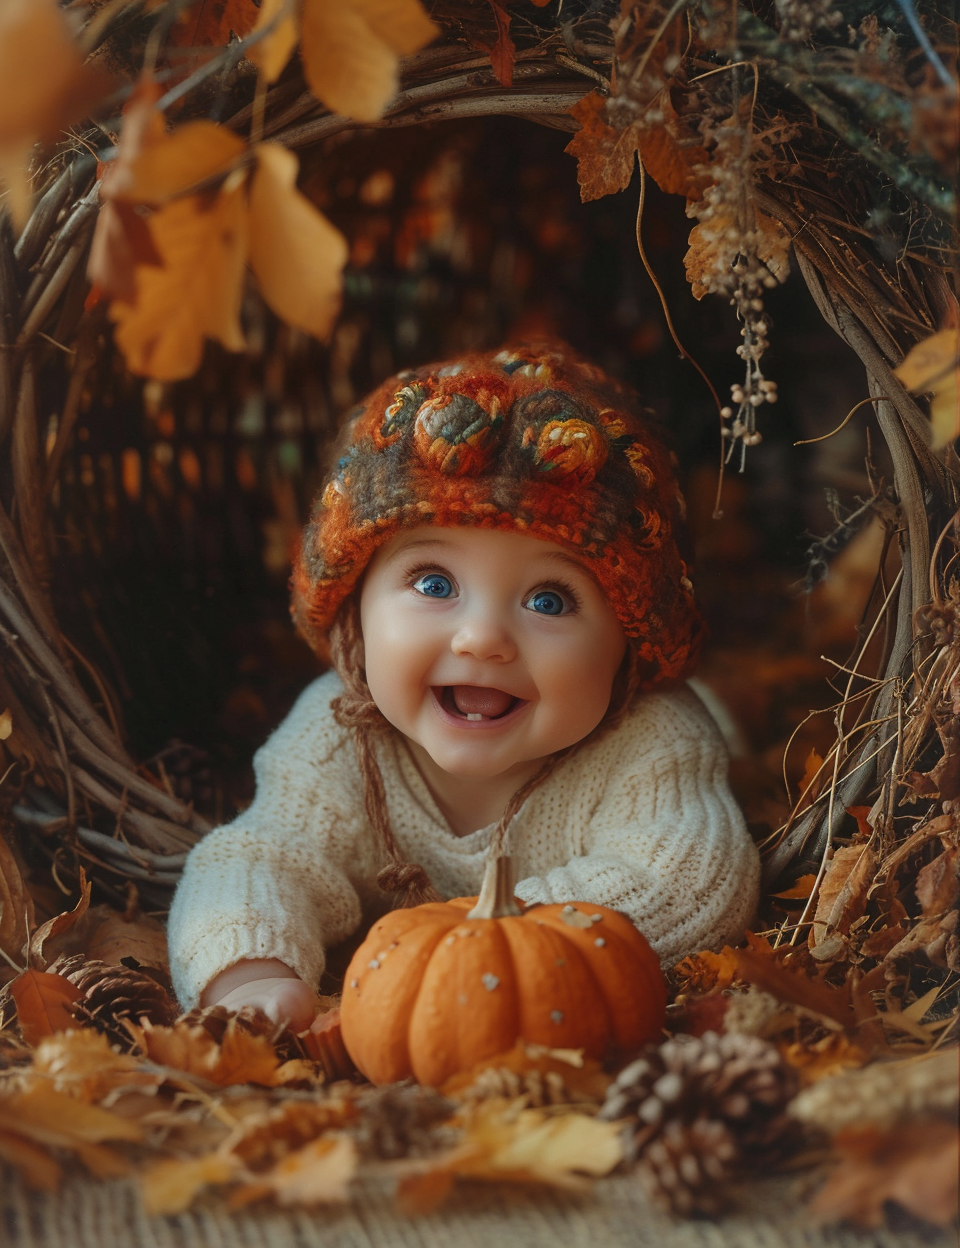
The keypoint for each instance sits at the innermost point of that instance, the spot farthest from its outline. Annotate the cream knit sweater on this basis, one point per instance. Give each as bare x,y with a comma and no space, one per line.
640,820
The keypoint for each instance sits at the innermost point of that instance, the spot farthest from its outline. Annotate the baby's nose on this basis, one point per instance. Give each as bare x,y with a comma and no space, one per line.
483,635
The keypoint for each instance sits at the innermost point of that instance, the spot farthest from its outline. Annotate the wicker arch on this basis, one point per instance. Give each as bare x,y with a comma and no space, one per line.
880,308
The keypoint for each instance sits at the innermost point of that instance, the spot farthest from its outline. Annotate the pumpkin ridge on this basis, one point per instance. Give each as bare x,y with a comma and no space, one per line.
564,1010
629,978
380,1052
468,1005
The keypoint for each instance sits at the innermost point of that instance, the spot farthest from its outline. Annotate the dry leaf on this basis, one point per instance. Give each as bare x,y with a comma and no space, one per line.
317,1174
711,249
584,1077
705,971
6,725
82,1064
44,87
937,884
48,941
933,367
914,1164
296,254
501,1143
16,905
170,165
843,892
350,51
811,770
46,1116
605,154
504,1142
240,1057
503,53
43,1004
171,1186
273,51
196,294
111,937
210,23
39,1171
801,890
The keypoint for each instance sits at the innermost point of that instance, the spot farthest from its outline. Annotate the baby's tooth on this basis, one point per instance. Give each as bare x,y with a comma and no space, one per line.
474,715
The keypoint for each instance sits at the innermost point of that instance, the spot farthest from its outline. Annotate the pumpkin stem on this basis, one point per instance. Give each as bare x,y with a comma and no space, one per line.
496,899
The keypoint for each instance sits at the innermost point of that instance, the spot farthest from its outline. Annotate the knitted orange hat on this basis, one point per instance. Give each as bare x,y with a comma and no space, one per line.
530,439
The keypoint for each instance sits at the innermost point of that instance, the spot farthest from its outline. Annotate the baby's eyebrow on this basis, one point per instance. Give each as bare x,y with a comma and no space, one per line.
559,556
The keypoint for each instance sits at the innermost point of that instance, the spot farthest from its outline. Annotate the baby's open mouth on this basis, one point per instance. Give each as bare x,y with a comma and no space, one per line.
476,703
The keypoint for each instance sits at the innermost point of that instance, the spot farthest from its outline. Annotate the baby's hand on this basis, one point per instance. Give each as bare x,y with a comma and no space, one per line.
266,985
289,1001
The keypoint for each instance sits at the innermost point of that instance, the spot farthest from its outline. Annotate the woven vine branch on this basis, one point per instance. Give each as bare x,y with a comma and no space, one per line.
879,309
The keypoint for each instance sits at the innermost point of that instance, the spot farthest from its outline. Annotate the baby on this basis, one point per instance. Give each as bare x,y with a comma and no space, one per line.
495,571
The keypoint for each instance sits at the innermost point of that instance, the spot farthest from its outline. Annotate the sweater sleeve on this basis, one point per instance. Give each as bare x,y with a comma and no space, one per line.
285,879
666,843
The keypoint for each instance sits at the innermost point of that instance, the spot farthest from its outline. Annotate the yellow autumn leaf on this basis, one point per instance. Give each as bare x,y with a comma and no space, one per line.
6,725
273,51
44,86
52,1118
350,51
196,294
296,254
933,367
317,1174
170,1186
167,165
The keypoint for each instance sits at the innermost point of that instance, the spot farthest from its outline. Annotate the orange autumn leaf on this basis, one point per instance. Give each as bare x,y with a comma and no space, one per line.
606,154
913,1164
239,1058
122,239
503,53
171,1185
196,294
39,1172
271,53
168,165
44,87
351,51
43,1004
210,23
48,1117
800,890
843,891
296,254
811,770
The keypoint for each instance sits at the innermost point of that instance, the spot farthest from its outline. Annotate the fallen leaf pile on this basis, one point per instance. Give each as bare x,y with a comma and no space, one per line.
230,1105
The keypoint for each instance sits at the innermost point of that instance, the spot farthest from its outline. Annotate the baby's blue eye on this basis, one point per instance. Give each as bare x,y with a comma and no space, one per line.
433,585
547,602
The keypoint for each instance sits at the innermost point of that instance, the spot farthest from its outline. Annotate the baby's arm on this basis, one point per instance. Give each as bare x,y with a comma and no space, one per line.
263,897
667,844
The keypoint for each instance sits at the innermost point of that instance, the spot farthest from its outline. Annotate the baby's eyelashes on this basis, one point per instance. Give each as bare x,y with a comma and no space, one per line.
434,585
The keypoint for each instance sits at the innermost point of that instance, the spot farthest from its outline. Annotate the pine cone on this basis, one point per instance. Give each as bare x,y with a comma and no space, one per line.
539,1087
402,1120
732,1089
687,1168
112,993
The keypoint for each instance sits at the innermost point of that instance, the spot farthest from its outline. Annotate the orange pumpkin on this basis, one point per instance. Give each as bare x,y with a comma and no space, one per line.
435,989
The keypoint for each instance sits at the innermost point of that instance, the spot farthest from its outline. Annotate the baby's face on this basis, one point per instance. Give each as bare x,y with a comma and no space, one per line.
489,650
